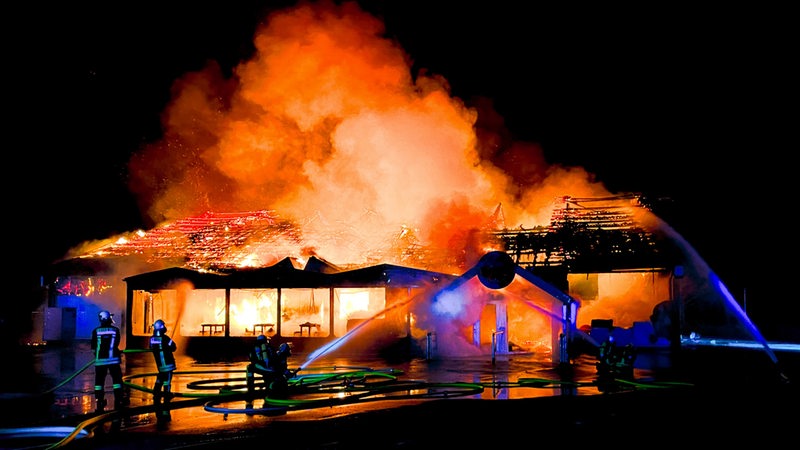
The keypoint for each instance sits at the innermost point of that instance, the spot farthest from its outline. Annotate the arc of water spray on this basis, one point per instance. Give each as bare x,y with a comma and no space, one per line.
691,254
340,341
537,307
513,268
501,266
553,316
741,315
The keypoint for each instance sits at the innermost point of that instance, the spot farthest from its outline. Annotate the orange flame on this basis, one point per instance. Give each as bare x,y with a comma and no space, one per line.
327,125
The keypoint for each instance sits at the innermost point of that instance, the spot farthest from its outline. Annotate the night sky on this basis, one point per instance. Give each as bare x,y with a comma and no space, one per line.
690,106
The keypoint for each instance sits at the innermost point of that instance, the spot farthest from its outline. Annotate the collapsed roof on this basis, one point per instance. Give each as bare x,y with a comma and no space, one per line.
584,235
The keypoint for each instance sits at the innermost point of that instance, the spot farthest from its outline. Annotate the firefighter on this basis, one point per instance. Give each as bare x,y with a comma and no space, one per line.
614,362
279,387
280,364
163,348
107,361
271,365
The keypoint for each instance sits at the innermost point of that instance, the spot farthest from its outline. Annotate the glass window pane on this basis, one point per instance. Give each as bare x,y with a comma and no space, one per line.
305,312
203,313
254,312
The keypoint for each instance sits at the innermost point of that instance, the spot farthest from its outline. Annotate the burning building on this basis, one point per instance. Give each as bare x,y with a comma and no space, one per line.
324,146
214,280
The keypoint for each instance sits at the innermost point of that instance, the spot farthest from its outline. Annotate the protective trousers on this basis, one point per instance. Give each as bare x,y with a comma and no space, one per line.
99,386
162,395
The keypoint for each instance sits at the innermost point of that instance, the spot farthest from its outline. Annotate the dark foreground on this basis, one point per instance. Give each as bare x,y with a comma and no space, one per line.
714,399
652,418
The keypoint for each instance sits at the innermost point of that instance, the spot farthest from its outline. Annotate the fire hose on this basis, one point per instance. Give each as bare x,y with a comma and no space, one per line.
329,386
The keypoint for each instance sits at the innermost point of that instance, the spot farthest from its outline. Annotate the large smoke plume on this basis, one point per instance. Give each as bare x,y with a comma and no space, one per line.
328,126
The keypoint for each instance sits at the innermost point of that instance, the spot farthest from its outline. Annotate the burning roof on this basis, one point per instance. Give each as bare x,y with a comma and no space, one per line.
399,173
253,239
591,234
212,241
601,234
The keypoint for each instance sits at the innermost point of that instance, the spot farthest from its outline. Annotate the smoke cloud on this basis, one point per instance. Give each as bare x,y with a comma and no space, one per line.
327,125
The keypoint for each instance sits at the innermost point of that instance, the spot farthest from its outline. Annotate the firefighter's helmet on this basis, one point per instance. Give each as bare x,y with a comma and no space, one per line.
261,339
284,350
106,318
159,328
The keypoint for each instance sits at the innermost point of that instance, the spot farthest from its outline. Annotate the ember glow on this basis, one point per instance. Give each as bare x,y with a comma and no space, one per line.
81,286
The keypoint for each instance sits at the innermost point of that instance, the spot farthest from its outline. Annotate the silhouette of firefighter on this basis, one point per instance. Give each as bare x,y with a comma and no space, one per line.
272,366
107,361
614,362
163,348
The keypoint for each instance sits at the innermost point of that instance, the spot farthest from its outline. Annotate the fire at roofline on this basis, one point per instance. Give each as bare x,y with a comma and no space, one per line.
327,125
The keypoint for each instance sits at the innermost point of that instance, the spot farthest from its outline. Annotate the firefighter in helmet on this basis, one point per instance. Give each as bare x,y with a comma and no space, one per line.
163,348
107,360
271,365
614,363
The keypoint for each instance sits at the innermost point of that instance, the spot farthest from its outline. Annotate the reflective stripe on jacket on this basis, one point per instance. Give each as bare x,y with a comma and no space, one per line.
105,343
163,348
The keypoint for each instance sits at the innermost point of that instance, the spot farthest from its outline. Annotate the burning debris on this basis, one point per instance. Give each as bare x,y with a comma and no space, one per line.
212,241
585,234
223,241
589,235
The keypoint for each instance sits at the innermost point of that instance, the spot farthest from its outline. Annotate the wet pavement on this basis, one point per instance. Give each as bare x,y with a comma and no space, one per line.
367,402
67,376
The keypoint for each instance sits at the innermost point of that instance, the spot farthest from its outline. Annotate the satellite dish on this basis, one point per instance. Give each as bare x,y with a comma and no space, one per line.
496,270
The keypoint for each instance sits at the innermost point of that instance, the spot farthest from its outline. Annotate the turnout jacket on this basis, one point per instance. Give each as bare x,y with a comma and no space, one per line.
163,348
261,356
105,344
